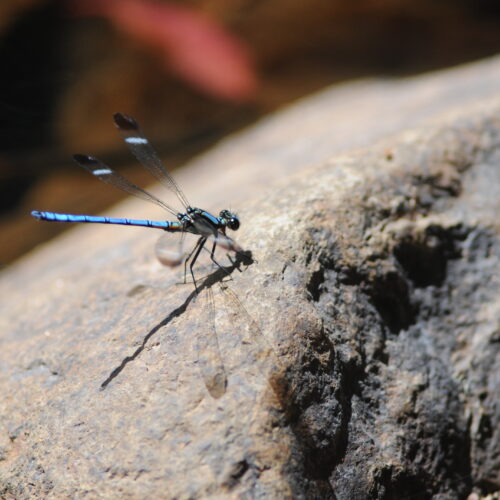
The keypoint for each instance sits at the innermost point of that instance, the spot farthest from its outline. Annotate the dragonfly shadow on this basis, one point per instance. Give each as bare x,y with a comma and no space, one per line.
243,258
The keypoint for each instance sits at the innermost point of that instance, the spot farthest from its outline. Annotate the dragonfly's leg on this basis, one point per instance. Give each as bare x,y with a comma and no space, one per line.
213,252
200,245
215,262
190,255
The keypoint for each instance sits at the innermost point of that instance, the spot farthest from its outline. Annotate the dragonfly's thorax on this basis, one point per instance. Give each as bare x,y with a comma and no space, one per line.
197,214
225,219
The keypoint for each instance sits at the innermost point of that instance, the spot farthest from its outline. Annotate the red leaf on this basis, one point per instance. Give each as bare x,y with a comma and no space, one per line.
190,44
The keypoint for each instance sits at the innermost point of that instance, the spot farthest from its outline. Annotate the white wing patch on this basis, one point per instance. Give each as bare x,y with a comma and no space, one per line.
136,140
101,171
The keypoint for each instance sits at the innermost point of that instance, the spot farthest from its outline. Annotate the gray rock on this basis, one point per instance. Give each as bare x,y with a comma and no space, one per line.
359,343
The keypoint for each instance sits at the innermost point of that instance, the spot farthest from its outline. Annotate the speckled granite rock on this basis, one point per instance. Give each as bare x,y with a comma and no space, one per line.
360,344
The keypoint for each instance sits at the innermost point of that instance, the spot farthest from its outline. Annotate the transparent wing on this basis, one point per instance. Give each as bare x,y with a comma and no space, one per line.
142,149
209,358
174,249
226,243
170,249
102,171
221,241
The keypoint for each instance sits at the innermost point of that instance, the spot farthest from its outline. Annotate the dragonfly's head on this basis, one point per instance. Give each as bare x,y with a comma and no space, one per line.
229,219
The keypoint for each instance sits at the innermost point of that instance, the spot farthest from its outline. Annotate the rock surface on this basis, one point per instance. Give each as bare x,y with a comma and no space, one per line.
360,343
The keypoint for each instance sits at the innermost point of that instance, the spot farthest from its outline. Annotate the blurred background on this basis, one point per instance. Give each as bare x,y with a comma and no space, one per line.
191,71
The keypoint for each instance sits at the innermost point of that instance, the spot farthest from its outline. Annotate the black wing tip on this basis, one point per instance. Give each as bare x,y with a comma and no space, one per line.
84,159
125,122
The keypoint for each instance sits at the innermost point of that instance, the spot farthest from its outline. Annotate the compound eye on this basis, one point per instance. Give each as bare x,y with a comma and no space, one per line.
234,223
232,220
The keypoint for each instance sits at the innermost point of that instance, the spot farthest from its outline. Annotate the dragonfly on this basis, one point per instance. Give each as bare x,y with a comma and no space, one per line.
197,221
